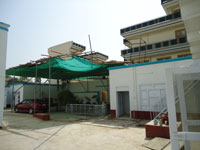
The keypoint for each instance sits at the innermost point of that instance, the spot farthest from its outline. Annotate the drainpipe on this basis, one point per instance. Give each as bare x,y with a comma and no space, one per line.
3,48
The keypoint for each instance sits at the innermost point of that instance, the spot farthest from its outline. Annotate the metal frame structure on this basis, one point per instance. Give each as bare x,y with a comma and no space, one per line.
182,73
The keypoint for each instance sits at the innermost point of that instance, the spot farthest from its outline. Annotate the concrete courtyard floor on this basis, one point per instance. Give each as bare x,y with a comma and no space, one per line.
65,131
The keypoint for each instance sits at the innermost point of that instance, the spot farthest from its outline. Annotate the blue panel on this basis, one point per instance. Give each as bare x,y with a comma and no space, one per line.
151,63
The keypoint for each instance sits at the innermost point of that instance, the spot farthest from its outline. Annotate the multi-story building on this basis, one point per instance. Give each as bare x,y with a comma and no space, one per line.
157,39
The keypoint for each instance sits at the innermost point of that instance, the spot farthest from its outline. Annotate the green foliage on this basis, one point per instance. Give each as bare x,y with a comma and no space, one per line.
66,97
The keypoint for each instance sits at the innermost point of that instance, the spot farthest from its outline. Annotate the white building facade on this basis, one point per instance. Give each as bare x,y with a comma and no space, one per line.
139,90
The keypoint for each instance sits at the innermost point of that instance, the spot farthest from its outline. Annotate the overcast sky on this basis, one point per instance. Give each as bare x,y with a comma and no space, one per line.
36,25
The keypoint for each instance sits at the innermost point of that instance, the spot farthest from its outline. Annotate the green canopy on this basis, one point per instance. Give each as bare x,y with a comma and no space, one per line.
63,69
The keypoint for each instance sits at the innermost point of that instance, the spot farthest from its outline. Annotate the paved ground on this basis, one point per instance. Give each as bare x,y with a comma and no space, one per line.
70,132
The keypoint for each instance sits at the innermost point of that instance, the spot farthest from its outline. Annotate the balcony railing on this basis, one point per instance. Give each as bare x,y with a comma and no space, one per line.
151,22
154,46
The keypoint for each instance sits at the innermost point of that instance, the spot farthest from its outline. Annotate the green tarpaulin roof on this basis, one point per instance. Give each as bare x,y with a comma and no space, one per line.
63,69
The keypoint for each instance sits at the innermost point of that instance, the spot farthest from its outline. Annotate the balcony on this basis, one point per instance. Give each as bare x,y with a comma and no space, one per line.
160,47
151,22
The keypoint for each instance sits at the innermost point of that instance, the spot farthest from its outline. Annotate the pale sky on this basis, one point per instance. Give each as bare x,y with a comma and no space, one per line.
36,25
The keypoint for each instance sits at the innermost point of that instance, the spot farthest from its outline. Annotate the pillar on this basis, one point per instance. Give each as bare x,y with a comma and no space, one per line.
3,48
191,17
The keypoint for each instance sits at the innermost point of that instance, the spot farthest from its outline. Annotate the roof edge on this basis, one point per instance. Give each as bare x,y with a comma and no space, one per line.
151,63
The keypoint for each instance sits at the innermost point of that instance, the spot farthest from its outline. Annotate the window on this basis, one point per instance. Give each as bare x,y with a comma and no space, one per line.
130,51
133,27
143,48
151,22
182,40
139,26
122,30
127,29
177,15
162,19
164,58
180,33
169,17
24,102
28,101
173,42
166,43
158,45
136,49
124,52
149,46
144,24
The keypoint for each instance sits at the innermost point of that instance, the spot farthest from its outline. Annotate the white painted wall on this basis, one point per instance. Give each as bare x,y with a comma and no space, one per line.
27,92
131,79
158,36
3,49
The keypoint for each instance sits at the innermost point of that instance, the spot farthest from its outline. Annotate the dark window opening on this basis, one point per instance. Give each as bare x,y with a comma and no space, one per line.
158,45
177,15
133,27
130,51
151,22
124,52
162,19
143,48
127,29
166,43
144,24
169,17
136,49
182,40
173,42
149,46
139,26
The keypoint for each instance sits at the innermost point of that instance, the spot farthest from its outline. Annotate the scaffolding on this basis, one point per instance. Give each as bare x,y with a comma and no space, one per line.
140,42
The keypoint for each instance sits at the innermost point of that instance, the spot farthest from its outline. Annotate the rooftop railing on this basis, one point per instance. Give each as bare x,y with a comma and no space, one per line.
155,46
151,22
81,46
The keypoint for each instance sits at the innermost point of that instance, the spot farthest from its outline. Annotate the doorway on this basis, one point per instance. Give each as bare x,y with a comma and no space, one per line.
123,104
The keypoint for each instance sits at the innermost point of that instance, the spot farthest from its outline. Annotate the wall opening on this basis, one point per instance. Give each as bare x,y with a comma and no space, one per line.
123,108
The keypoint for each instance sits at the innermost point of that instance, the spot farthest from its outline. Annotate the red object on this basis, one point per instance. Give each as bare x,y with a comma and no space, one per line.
113,113
28,106
42,116
156,130
143,114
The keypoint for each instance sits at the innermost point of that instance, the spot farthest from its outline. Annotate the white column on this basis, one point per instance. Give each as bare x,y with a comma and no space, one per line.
3,49
190,11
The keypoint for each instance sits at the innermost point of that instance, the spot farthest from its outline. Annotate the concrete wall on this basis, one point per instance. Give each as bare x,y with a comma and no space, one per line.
157,36
26,91
134,79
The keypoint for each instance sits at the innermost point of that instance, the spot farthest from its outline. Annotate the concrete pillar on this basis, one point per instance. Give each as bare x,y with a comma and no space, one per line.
190,11
3,48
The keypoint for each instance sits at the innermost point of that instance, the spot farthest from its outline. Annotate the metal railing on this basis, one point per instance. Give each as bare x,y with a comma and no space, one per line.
186,91
154,46
87,109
